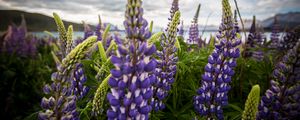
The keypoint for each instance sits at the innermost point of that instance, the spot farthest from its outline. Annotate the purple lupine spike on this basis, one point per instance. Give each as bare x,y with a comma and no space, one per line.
275,35
99,29
181,29
194,30
166,68
134,69
255,41
15,41
281,100
87,31
212,95
290,39
61,107
250,41
79,78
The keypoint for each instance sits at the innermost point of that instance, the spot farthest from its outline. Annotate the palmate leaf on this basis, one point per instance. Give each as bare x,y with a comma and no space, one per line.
251,106
102,51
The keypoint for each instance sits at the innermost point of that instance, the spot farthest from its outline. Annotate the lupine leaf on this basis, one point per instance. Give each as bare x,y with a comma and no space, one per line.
113,45
49,33
105,34
102,51
154,38
177,44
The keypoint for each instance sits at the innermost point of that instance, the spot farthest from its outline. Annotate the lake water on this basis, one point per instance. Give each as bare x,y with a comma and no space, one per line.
80,34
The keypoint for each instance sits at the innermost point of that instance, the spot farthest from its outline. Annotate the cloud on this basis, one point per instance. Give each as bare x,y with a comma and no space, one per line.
157,10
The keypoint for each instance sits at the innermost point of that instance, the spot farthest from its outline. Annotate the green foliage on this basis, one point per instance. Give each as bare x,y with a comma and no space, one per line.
151,26
155,38
105,34
100,96
251,106
22,80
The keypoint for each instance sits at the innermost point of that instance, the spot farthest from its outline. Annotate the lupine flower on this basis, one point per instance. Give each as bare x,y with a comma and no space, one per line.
281,100
251,105
133,73
181,29
212,95
254,42
16,41
87,31
275,35
194,31
99,29
62,103
290,39
166,68
79,78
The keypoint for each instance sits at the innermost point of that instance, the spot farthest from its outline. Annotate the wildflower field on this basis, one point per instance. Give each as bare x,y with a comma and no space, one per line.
143,74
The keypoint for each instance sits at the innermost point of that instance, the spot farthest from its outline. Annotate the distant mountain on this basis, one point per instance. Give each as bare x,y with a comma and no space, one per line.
35,21
287,20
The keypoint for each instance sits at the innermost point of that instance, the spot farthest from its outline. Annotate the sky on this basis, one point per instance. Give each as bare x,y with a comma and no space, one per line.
112,11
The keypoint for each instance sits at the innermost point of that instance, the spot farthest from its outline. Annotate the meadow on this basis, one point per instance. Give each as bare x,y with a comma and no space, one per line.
140,74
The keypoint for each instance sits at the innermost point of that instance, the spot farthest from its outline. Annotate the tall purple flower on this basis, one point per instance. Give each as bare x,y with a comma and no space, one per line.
60,102
87,31
194,30
15,41
212,95
99,29
79,78
166,68
275,35
290,39
282,99
254,43
133,73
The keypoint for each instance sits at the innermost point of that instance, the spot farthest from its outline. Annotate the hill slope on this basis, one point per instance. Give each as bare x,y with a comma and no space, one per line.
35,21
287,20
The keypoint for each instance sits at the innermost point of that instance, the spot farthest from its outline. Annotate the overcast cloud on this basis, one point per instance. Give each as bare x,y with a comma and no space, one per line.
112,11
